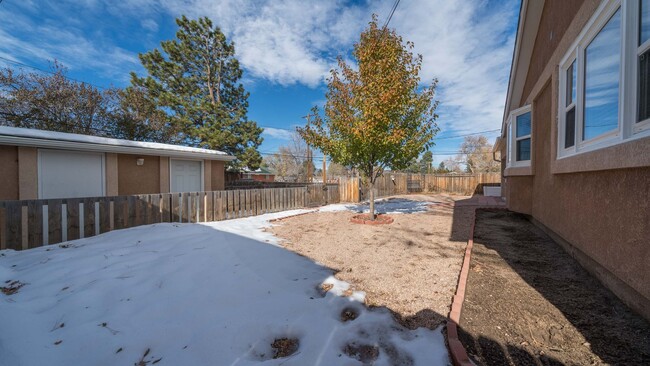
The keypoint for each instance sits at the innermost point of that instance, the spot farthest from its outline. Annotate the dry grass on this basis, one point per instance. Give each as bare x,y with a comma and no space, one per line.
410,266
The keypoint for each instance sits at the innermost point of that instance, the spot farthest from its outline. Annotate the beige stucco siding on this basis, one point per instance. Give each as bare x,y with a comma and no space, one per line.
27,173
9,175
138,179
550,33
112,181
19,174
218,175
164,175
207,175
598,203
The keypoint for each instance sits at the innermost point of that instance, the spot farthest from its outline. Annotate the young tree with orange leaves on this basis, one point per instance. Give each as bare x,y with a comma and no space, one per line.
377,116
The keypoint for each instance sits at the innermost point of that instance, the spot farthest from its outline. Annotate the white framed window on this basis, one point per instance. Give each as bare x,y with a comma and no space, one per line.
604,96
641,72
520,142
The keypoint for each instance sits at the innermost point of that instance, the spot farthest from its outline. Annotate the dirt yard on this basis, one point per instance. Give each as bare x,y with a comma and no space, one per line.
410,266
530,303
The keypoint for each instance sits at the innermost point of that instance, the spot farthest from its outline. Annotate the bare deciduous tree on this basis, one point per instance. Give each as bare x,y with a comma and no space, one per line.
51,102
476,154
54,102
289,164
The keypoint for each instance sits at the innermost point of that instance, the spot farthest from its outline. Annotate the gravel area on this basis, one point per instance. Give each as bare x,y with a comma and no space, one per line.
410,266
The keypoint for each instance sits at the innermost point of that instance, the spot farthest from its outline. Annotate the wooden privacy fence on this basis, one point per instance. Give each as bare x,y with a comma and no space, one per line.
33,223
320,194
352,189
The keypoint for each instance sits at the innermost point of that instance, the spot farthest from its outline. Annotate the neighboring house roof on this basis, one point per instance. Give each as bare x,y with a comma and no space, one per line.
258,171
530,15
71,141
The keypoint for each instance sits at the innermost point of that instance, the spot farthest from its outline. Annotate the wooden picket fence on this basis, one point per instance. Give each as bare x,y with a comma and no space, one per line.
319,194
33,223
353,190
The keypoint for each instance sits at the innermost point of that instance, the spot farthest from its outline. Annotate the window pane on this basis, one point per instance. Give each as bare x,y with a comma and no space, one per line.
571,76
602,64
570,128
644,23
523,149
523,124
644,86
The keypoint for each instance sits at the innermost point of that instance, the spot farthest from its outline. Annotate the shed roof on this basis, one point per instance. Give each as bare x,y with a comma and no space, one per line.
72,141
258,171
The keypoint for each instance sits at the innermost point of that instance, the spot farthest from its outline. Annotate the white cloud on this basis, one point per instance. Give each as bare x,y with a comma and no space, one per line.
46,41
284,41
278,133
149,24
467,45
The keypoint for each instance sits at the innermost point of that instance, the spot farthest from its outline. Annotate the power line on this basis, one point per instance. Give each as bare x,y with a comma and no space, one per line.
278,153
392,11
469,134
435,138
49,72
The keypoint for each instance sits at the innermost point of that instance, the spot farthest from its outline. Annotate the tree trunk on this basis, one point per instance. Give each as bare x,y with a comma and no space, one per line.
372,200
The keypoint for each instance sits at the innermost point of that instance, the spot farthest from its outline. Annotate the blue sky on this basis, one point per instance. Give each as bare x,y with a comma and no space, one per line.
286,48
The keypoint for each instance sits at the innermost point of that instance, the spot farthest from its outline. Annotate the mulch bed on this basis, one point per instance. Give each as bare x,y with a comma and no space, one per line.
529,303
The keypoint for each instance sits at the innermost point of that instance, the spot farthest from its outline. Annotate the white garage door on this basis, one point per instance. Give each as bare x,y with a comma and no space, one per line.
186,176
68,174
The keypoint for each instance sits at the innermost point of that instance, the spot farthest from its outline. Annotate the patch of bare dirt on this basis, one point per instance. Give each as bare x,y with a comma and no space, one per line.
529,303
11,287
365,353
285,347
348,314
410,266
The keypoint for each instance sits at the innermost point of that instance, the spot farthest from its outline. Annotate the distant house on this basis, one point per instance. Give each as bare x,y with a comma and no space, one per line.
39,164
575,139
259,175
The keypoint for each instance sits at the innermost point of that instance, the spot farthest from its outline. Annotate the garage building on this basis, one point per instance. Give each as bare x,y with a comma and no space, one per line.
36,164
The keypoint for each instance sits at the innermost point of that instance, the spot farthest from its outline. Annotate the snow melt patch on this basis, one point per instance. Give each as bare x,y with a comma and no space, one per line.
382,206
189,294
254,227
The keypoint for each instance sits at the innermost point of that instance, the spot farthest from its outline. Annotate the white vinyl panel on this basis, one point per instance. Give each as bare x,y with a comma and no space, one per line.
70,174
186,175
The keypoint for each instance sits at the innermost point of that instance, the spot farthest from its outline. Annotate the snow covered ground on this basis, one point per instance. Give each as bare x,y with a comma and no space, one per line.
191,294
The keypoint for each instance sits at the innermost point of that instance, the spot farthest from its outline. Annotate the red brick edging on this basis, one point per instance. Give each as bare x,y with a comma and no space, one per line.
456,350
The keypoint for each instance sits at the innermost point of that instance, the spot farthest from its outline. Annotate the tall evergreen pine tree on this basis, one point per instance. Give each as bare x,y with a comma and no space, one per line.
195,80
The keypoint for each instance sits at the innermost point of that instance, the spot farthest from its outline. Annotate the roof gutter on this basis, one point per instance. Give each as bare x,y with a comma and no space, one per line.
95,147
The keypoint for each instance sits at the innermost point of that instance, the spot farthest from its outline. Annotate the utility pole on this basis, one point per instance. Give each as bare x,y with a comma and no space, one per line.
324,168
310,162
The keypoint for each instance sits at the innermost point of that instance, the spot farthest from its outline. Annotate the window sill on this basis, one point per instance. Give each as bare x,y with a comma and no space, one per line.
630,154
519,170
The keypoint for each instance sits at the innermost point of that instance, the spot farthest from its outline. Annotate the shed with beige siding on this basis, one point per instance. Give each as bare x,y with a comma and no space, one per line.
36,164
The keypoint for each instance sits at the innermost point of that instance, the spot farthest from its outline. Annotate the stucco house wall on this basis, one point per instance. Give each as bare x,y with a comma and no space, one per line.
596,204
9,176
138,179
218,175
